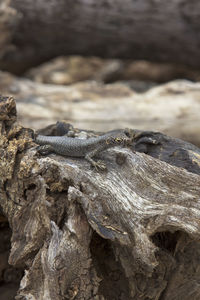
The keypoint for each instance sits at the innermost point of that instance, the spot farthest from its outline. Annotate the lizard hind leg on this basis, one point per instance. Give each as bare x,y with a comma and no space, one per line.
45,149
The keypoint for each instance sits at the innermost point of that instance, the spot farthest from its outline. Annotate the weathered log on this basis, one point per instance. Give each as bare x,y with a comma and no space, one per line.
173,108
165,31
129,233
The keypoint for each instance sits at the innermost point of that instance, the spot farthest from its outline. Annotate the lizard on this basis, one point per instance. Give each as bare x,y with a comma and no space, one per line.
86,148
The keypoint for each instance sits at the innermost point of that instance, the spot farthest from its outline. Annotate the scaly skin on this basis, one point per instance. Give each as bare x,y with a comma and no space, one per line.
87,148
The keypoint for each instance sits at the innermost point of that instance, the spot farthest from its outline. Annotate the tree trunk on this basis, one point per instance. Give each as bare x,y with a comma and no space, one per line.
165,31
129,233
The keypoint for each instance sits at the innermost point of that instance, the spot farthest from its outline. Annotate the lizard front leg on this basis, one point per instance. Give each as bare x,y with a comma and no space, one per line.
97,164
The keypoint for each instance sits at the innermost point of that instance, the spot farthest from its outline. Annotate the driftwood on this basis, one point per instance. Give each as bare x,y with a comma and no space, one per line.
165,31
129,233
173,108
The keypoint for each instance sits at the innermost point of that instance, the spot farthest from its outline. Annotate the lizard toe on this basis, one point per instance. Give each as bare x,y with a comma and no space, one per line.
100,165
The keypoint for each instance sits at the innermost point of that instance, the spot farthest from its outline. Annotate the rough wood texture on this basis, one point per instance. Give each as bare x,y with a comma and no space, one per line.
166,31
173,108
129,233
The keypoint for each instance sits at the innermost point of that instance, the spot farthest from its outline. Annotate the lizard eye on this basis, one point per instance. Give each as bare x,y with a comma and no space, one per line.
118,140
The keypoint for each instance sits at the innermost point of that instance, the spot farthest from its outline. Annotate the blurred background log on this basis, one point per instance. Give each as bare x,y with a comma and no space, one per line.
164,31
172,108
8,20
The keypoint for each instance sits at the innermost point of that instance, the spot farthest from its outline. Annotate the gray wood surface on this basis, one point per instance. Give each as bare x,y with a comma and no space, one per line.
129,233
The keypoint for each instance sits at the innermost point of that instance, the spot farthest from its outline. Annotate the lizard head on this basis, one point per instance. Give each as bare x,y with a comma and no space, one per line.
118,139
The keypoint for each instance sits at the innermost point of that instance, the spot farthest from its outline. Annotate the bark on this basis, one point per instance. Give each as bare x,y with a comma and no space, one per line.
173,108
165,31
129,233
